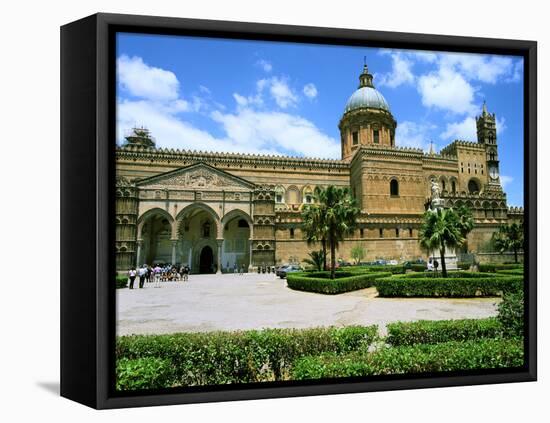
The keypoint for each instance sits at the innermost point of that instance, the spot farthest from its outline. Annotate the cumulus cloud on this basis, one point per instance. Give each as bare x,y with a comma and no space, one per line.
466,129
281,92
144,81
447,90
484,68
310,90
400,74
251,128
412,134
268,130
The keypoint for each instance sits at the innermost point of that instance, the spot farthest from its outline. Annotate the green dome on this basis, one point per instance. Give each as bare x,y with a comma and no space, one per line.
367,97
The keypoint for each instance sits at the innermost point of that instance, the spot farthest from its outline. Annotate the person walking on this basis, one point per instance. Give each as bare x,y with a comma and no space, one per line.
142,271
242,269
185,273
132,277
148,274
235,268
157,271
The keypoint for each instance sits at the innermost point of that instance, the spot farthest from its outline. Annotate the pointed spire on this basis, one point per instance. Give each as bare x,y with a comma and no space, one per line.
365,79
484,108
432,152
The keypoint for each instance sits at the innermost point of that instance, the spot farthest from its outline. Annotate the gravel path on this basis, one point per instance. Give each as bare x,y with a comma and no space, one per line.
252,301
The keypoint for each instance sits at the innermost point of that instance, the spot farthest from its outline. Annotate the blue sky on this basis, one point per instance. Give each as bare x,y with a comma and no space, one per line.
283,98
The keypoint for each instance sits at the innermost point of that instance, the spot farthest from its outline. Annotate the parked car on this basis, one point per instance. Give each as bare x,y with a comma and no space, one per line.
380,263
279,268
288,269
392,262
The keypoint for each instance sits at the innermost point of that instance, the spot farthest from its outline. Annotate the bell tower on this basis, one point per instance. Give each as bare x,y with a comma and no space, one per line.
487,135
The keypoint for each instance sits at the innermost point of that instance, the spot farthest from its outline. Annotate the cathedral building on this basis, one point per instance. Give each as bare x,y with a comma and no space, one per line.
213,211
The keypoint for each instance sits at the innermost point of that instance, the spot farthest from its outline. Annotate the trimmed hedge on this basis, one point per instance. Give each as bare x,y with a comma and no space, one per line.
448,287
143,373
121,281
493,267
321,285
418,267
519,271
421,358
511,314
216,358
437,331
454,274
462,265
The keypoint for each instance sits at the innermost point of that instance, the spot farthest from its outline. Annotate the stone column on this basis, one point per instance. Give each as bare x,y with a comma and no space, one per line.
138,252
174,244
250,245
220,243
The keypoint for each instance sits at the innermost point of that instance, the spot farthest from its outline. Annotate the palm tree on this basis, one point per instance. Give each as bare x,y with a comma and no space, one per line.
510,237
445,228
316,259
331,219
313,222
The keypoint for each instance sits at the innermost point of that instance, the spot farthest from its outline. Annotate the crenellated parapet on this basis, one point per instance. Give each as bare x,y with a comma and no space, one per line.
186,157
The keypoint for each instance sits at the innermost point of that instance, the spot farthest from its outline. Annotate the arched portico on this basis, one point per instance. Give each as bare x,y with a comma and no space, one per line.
197,232
154,237
236,245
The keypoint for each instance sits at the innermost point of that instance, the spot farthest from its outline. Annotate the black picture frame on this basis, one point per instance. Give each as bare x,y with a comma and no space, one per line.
87,175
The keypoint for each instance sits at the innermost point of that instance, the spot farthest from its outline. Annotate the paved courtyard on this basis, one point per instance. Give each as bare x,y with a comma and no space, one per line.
252,301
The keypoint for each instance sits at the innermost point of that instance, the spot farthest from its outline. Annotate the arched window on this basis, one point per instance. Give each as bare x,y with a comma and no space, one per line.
292,233
453,186
473,186
279,194
394,188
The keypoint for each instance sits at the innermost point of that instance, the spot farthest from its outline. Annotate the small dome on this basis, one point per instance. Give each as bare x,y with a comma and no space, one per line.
367,97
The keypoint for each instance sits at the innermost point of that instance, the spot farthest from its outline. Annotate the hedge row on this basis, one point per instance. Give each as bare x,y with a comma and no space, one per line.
310,283
457,274
215,358
519,271
121,281
421,358
437,331
493,267
448,287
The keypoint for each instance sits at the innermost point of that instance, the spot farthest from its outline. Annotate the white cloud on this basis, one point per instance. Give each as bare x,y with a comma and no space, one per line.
463,130
447,90
265,65
400,74
144,81
484,68
279,131
412,134
282,93
505,180
310,90
204,89
467,129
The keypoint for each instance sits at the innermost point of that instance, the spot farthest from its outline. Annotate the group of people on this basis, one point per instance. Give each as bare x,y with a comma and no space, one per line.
157,274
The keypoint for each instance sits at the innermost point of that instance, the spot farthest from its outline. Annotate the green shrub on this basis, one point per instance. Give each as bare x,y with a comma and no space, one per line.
143,373
511,314
519,271
121,281
421,358
493,267
418,267
216,358
311,283
452,274
462,265
433,332
448,287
